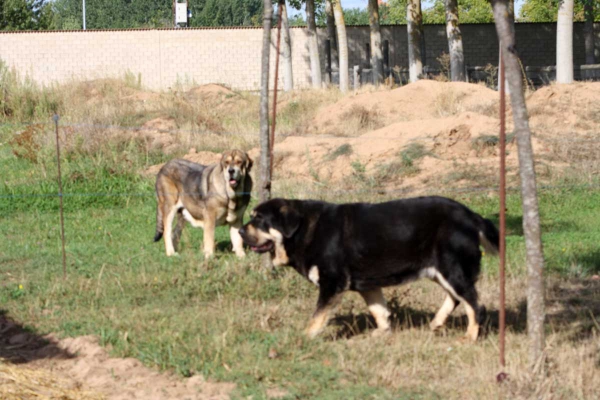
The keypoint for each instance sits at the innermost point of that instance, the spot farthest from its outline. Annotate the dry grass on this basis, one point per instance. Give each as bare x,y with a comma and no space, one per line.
358,120
24,383
447,102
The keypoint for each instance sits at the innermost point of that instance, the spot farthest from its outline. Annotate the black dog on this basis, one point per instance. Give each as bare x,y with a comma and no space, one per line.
364,247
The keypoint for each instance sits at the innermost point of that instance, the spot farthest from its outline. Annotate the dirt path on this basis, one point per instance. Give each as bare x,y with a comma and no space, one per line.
33,367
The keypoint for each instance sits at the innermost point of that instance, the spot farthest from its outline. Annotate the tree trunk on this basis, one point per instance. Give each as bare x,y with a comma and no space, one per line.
264,187
564,42
588,31
313,45
376,54
331,34
531,217
342,44
286,50
511,21
414,22
455,45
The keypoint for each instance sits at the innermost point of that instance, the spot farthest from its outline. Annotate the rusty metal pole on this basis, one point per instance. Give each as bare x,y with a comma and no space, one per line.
274,115
502,246
60,196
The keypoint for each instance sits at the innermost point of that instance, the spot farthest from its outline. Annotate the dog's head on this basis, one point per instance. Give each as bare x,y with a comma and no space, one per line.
235,164
272,223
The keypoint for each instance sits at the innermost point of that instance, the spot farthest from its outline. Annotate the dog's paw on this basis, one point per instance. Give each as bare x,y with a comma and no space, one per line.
240,254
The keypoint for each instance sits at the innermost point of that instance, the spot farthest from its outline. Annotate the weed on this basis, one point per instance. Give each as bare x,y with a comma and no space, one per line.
343,150
25,144
447,102
359,119
444,61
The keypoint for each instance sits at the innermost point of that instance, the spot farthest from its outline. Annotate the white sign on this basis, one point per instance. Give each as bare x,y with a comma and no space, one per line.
181,13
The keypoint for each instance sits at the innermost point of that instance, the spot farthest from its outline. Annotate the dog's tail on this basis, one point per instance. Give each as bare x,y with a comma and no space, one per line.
489,237
159,224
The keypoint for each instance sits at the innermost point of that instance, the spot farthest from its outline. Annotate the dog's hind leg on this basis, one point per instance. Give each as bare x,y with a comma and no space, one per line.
450,303
466,293
168,233
378,308
178,230
210,222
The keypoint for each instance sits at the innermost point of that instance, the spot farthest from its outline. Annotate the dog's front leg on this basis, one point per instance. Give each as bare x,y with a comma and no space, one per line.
378,308
236,239
330,296
210,222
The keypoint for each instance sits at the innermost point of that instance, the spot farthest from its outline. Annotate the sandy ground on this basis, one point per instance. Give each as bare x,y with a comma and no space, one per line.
33,367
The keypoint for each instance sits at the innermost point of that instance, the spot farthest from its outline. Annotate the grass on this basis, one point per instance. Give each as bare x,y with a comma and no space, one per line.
223,318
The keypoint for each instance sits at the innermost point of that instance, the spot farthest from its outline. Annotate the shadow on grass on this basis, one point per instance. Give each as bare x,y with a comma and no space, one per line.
19,345
572,307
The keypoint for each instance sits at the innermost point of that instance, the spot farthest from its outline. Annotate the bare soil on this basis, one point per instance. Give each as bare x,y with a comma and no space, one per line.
33,367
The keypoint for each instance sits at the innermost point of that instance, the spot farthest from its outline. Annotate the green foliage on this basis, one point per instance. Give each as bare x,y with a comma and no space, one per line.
16,15
547,10
104,14
227,13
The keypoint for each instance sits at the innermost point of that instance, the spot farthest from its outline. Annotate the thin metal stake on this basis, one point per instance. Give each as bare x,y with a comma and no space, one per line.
502,246
274,115
60,196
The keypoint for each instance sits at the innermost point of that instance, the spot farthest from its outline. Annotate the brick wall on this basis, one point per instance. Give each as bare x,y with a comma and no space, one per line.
231,56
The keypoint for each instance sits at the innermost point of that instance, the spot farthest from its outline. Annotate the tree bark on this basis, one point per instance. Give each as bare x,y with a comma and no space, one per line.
264,187
331,33
414,23
313,45
531,217
376,53
588,31
342,44
286,50
455,44
564,42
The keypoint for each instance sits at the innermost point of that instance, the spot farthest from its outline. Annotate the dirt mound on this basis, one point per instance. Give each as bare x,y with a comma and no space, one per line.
425,99
443,140
573,108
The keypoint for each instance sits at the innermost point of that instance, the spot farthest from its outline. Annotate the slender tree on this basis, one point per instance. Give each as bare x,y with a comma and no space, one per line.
376,53
286,50
531,216
331,33
588,31
564,42
455,44
313,45
264,188
342,44
414,25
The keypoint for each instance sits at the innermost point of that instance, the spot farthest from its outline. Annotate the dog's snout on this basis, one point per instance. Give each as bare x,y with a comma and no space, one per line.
231,171
242,231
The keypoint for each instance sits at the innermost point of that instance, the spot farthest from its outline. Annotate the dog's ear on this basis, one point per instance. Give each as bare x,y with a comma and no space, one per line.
291,220
249,163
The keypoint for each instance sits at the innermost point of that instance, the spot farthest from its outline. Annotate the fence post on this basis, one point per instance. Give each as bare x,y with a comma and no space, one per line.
328,69
502,245
55,118
386,58
356,77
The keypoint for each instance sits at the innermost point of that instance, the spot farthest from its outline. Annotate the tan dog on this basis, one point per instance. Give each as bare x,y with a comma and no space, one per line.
206,197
